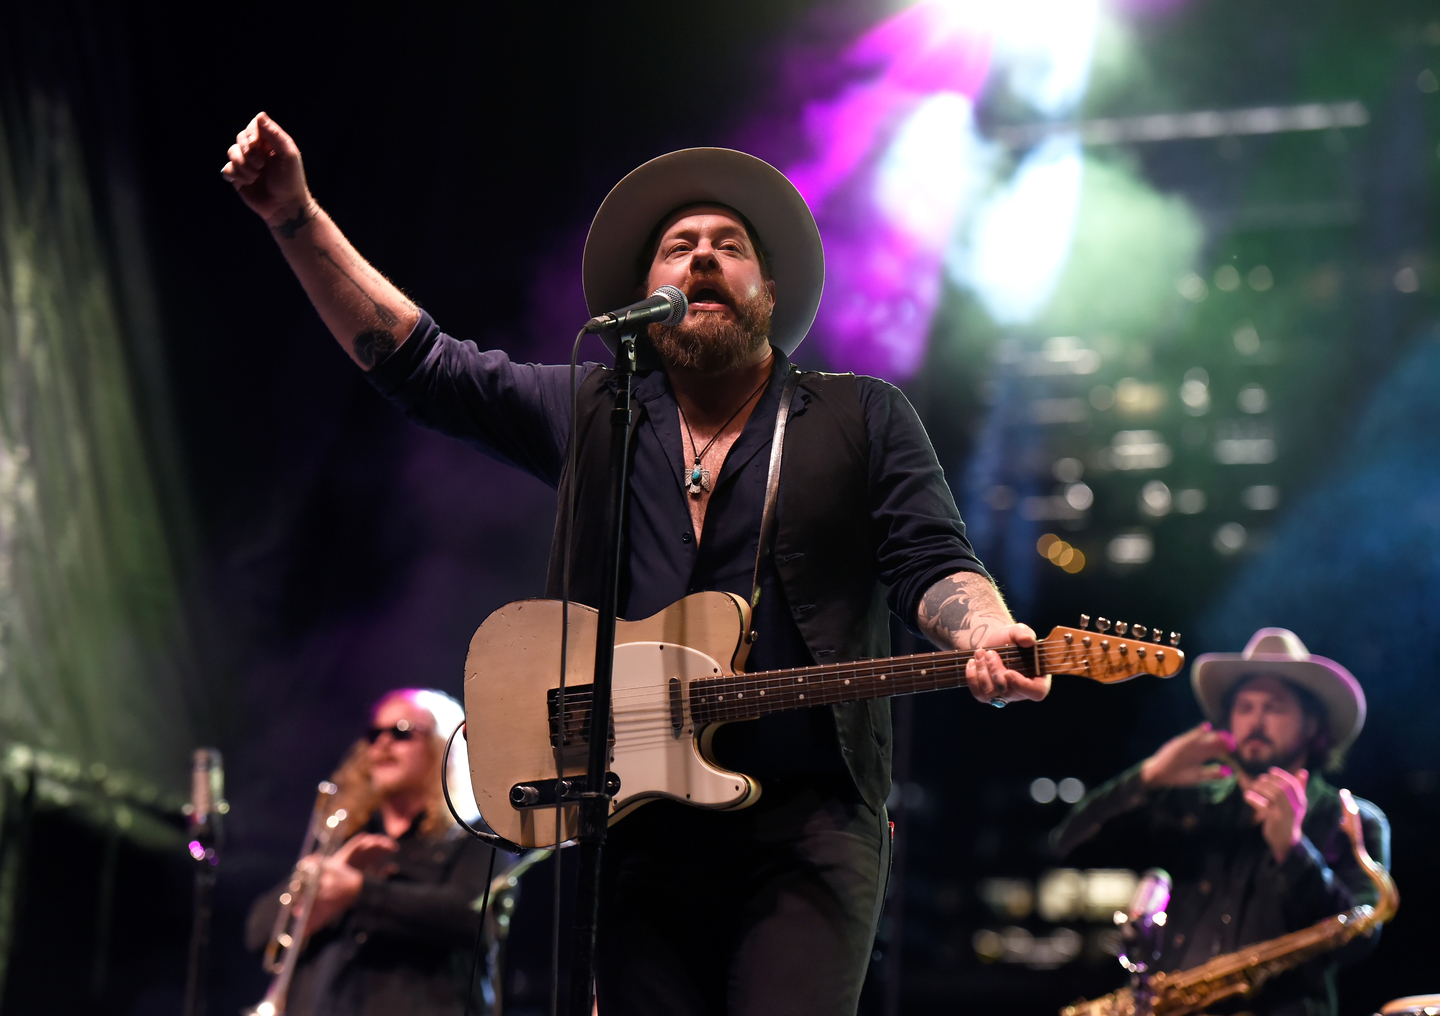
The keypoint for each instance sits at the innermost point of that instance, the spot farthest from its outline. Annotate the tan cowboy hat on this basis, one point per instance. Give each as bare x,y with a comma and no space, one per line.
756,189
1281,653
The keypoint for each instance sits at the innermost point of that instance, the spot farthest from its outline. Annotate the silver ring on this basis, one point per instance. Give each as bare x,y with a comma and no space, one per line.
998,703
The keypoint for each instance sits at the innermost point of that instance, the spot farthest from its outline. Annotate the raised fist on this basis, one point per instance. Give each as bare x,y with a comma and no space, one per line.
265,169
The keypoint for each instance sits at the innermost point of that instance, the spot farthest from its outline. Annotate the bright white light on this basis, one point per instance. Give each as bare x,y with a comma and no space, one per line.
1043,790
1252,399
1045,48
1155,499
1131,548
1246,338
932,169
1079,496
1071,790
1139,449
1019,241
1230,538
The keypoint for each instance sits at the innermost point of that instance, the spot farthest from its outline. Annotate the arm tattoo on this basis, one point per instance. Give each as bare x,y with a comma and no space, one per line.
960,610
387,317
373,346
290,227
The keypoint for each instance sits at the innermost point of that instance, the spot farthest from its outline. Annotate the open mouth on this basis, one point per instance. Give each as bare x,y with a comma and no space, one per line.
708,298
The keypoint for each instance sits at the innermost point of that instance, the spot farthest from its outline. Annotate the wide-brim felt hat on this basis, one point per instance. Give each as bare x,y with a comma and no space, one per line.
1280,652
757,190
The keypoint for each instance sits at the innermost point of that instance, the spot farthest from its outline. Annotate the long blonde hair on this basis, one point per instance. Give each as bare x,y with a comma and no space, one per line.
445,714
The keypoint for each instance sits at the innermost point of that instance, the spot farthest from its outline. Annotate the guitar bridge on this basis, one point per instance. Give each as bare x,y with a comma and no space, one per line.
575,746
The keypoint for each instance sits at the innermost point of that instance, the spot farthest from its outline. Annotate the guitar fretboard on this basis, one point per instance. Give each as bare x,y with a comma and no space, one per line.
744,696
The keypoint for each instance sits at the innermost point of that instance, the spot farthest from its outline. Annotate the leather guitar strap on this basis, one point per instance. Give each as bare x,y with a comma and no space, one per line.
768,520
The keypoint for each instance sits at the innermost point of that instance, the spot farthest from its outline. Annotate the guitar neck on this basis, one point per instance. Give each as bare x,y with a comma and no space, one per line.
746,696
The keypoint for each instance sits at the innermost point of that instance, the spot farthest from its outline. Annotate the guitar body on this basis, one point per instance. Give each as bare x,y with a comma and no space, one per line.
679,676
513,666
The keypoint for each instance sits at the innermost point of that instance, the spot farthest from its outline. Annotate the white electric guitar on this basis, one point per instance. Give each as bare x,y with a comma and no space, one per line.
677,679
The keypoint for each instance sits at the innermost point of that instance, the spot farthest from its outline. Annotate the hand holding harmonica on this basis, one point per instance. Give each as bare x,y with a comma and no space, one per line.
1197,756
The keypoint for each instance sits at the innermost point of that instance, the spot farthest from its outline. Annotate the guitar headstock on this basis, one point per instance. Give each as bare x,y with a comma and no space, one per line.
1111,657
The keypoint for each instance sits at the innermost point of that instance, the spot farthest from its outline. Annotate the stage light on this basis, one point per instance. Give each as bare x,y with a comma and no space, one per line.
1190,501
1195,391
1139,449
1079,496
1043,790
1131,548
1260,498
1019,241
1246,339
1155,499
1252,399
1227,279
1192,287
1230,538
1070,790
1068,470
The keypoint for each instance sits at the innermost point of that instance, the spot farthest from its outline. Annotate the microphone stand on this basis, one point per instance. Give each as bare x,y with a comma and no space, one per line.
205,840
594,799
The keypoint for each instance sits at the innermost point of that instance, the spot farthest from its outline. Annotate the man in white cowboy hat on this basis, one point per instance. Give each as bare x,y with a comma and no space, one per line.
1256,850
772,908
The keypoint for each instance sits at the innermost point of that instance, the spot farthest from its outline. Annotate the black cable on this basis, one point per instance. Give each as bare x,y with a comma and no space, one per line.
483,836
479,932
570,467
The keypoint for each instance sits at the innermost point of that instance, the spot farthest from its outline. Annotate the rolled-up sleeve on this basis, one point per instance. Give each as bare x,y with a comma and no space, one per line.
920,537
518,413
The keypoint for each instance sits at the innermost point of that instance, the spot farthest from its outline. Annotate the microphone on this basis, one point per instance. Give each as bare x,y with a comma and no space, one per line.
207,803
666,306
1142,924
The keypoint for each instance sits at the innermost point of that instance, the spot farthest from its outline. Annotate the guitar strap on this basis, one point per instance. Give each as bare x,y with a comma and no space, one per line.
768,520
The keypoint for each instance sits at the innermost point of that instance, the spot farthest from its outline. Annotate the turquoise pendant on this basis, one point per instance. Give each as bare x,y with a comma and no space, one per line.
698,482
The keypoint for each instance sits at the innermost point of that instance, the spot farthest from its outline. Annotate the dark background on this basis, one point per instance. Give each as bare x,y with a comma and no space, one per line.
332,551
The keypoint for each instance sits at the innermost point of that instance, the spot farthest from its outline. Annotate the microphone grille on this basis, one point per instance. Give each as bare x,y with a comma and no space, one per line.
679,306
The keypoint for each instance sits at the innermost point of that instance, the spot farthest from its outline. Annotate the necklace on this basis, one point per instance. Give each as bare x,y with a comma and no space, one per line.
699,479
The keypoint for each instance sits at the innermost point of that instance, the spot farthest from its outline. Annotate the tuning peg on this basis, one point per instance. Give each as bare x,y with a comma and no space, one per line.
1102,624
1084,621
1156,635
1174,638
1138,631
1121,627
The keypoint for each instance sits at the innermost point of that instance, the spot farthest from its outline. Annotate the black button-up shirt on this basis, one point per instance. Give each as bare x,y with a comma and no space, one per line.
520,413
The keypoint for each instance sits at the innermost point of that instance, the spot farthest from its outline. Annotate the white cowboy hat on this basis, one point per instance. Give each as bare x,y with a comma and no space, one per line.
754,188
1281,653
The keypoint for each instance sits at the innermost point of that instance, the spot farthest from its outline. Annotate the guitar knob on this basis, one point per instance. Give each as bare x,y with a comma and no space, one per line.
1084,620
1121,627
1138,631
1174,638
1102,624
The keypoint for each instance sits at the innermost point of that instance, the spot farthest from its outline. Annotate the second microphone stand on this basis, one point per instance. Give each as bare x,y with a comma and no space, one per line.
595,800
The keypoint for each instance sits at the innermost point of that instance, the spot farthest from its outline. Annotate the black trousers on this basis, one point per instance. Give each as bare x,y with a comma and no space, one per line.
767,910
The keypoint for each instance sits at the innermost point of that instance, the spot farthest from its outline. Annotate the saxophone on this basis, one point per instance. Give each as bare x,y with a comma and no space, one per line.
343,805
1244,971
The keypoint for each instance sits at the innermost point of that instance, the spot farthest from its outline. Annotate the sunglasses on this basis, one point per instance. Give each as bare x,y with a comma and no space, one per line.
403,730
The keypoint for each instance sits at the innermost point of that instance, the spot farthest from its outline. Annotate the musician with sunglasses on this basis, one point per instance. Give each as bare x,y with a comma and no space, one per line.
393,923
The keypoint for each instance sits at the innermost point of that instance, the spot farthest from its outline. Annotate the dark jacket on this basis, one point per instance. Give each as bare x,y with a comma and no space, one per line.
825,545
1228,890
404,947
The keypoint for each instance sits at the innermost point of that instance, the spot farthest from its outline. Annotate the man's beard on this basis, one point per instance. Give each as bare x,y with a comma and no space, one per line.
711,344
1263,764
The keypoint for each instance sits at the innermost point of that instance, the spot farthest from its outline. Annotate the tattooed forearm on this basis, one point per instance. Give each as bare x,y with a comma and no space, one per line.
293,225
961,610
387,317
373,346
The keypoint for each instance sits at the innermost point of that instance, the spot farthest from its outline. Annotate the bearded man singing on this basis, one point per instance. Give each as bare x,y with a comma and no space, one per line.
771,908
1255,853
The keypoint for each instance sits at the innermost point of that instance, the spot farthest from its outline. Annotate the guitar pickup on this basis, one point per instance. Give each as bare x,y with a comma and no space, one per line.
547,793
575,746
